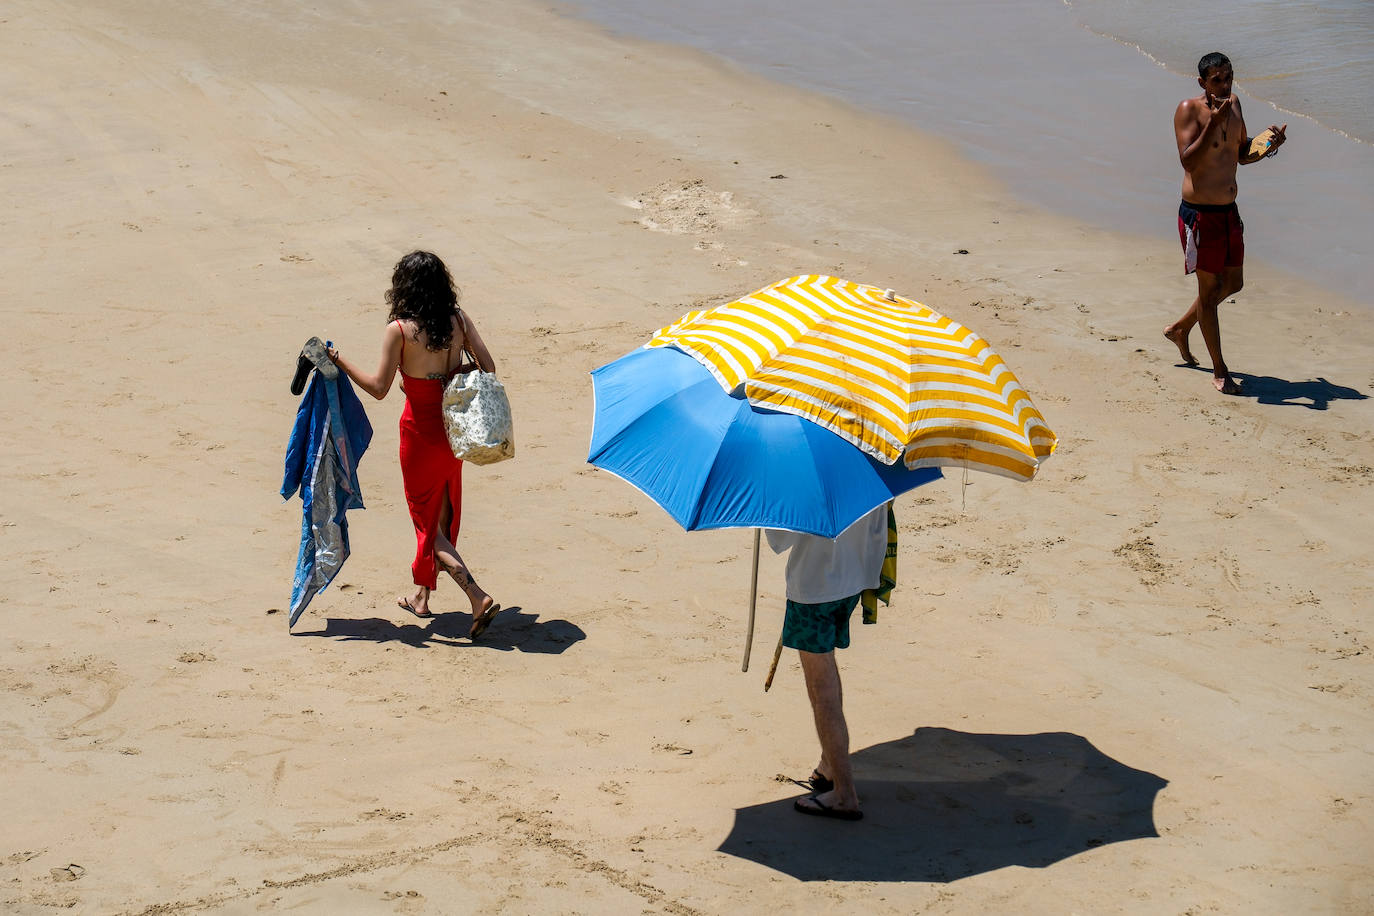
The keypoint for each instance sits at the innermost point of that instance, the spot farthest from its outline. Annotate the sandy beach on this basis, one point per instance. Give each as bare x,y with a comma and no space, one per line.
1141,683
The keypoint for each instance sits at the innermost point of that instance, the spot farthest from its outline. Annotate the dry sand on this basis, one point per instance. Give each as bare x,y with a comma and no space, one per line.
1185,587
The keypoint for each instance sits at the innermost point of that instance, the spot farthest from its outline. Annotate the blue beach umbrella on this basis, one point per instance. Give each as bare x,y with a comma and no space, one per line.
663,423
711,460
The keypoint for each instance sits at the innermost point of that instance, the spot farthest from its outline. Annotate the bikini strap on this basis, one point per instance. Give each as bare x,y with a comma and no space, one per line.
403,338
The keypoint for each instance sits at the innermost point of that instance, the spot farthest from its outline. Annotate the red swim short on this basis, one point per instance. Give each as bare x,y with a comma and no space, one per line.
1213,237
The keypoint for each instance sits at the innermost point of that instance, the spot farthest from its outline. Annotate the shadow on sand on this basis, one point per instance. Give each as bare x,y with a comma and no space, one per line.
942,805
513,629
1314,394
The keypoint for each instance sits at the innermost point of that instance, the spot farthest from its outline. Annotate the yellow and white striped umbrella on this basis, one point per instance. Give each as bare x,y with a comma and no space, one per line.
892,376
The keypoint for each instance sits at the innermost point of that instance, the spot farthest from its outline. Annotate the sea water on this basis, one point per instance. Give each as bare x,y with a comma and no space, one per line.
1312,58
1071,102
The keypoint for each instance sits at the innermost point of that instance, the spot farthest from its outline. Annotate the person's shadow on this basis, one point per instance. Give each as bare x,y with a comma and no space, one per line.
1314,394
942,805
512,629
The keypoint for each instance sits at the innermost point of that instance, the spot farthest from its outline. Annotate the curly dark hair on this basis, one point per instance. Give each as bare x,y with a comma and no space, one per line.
423,291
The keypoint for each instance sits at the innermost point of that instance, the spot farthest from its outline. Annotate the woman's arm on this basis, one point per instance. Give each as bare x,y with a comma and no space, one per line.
477,346
379,383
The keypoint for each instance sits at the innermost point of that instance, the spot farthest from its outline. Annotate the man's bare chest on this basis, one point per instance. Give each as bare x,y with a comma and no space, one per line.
1228,134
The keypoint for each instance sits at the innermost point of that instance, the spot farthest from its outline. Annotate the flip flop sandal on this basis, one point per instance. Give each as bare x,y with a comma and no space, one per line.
312,356
479,625
823,810
405,605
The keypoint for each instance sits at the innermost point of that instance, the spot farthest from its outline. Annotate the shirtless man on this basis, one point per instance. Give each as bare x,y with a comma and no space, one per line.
1210,131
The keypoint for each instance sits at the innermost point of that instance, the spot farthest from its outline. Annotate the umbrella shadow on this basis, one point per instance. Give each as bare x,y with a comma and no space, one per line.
942,805
512,630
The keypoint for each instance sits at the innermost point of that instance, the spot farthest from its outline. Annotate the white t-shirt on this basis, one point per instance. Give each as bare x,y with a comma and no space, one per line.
820,570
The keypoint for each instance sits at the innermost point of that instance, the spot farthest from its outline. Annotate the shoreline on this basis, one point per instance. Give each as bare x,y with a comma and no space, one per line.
1291,112
1093,160
192,197
1336,39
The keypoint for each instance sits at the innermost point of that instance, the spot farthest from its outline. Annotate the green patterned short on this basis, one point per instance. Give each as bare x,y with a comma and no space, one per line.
818,628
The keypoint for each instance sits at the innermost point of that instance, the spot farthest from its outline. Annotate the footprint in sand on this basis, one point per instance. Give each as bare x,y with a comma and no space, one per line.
1141,556
688,206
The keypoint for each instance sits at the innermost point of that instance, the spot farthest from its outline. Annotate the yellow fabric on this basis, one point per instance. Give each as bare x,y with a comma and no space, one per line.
897,379
887,579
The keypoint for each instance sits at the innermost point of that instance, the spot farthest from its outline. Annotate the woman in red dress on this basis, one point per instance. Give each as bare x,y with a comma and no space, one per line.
425,339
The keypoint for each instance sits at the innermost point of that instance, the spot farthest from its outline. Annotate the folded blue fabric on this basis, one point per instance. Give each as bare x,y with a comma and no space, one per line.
329,437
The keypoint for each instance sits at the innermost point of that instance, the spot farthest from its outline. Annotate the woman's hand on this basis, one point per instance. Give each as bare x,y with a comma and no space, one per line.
377,384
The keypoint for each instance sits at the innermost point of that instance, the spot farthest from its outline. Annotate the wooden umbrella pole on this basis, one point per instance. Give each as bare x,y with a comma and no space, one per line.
753,600
773,668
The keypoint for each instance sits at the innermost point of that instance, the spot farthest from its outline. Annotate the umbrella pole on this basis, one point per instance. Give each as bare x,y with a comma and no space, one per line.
753,600
773,668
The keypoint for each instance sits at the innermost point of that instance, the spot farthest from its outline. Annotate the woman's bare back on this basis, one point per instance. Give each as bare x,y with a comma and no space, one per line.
418,361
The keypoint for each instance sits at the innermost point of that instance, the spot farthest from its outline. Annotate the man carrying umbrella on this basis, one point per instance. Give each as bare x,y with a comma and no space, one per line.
824,581
804,409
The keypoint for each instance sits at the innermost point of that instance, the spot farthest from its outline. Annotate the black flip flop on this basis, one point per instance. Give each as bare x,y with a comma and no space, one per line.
314,355
821,809
480,624
405,605
819,783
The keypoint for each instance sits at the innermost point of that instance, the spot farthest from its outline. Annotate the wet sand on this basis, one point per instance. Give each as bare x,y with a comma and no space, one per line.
1073,121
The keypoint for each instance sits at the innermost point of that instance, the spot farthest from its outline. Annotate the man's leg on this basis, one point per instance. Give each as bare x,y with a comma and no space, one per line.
827,706
1213,289
1178,333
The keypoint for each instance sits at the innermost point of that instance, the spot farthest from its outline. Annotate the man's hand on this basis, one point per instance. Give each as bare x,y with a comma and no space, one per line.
1278,139
1219,107
1272,137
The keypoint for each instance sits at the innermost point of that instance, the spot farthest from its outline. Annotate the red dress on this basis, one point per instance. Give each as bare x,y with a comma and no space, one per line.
428,469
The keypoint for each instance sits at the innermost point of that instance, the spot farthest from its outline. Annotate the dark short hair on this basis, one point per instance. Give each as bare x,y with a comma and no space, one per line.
1210,62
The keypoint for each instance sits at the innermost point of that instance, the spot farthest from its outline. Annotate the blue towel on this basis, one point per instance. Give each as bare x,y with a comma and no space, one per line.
327,442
